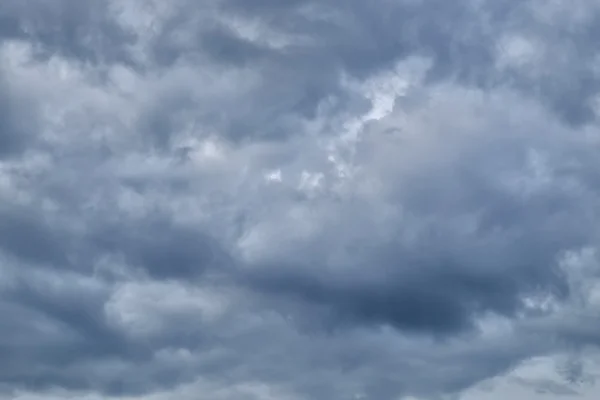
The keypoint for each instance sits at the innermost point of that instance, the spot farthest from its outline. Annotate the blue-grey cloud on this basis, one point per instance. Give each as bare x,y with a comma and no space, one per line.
300,199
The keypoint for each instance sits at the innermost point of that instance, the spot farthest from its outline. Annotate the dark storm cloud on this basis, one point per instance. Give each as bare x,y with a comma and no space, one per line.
225,46
17,120
361,39
155,245
354,38
221,214
448,278
82,30
25,234
161,248
52,327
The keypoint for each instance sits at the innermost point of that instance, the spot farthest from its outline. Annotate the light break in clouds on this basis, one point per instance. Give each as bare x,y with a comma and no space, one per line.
299,200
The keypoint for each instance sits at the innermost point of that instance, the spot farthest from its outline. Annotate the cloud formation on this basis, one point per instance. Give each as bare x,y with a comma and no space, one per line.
267,199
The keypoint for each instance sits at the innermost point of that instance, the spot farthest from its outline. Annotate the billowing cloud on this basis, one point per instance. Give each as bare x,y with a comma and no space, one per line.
299,200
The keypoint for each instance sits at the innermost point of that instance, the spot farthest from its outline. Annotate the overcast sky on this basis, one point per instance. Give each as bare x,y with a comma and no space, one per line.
299,199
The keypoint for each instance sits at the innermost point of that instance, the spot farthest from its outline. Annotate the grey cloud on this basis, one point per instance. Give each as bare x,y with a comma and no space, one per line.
223,45
444,276
360,40
547,386
18,120
220,214
156,245
56,327
162,249
372,38
82,30
25,235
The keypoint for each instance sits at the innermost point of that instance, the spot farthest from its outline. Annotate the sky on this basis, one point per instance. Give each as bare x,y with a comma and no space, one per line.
299,199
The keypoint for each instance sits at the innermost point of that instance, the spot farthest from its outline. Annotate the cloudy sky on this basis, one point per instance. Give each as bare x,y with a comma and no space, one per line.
299,199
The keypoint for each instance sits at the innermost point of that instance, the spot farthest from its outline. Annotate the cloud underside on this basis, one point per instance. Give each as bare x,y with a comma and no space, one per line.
297,200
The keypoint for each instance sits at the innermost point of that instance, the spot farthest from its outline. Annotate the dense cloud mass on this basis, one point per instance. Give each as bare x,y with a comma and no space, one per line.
298,199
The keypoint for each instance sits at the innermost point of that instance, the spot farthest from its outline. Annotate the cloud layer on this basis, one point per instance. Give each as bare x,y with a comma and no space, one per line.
267,199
